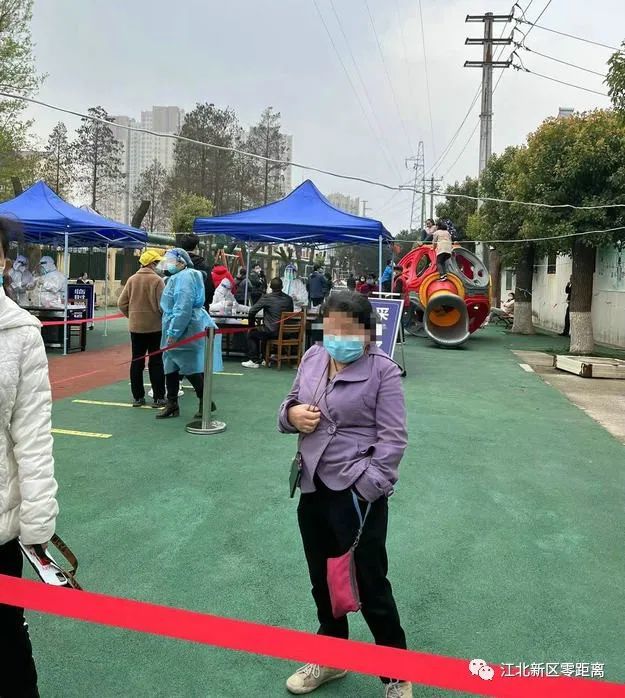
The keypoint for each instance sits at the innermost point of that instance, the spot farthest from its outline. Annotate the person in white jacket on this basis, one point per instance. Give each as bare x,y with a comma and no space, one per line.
28,506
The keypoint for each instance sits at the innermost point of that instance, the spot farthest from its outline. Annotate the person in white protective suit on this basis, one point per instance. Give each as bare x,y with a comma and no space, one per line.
295,287
51,284
21,280
224,302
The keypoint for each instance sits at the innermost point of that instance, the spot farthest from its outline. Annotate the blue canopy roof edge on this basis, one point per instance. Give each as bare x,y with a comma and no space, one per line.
303,216
46,218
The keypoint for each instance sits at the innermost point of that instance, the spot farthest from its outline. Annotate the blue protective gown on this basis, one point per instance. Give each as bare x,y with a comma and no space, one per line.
184,315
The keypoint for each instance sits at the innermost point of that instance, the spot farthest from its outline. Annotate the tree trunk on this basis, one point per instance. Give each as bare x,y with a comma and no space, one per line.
494,269
58,167
523,323
582,340
94,184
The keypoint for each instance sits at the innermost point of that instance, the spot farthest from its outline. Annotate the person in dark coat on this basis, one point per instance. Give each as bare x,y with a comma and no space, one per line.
317,285
567,315
273,305
190,243
351,281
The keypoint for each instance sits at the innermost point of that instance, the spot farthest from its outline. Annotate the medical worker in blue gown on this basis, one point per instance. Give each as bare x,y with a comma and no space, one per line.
184,315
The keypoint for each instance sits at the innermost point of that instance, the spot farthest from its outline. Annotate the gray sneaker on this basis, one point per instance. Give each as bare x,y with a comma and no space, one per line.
308,678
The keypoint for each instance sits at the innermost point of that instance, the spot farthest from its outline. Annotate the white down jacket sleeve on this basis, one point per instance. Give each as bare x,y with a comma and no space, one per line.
32,444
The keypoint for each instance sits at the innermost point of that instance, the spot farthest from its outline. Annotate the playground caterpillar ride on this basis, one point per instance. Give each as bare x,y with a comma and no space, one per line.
452,309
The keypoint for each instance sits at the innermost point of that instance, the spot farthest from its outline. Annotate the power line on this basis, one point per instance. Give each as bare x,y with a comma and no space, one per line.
558,60
363,84
427,79
557,237
523,241
388,75
466,145
572,36
349,78
523,69
411,78
287,163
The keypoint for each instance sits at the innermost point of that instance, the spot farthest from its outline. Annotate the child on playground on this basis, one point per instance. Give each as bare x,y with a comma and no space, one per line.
442,241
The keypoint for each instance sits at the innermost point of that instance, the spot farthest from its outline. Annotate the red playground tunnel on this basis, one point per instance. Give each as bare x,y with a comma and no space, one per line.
452,309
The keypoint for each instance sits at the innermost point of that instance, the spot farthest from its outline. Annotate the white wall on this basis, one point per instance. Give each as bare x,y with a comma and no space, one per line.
608,303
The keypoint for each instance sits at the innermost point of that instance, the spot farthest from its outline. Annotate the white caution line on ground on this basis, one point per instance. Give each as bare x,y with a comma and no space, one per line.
527,367
111,404
88,434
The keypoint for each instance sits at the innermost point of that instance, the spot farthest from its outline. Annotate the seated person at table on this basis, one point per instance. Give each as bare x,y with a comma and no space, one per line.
224,302
506,310
273,305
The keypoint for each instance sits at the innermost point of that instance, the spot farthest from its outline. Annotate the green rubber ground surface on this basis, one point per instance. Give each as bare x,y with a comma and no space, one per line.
505,538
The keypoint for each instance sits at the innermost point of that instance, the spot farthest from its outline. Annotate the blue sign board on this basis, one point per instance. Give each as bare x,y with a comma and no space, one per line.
82,294
389,312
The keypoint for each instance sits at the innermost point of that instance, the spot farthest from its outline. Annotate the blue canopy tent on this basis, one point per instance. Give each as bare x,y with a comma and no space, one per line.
304,216
46,219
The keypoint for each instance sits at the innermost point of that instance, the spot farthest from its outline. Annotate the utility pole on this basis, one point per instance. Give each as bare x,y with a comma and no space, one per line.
433,188
487,64
417,207
486,113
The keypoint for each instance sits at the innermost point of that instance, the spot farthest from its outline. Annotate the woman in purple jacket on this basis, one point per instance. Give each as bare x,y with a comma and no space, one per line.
347,404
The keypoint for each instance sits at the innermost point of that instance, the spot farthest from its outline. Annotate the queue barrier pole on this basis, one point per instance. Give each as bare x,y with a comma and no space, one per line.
207,425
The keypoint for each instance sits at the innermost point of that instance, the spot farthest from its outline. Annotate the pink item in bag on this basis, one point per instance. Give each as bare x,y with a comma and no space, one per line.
341,575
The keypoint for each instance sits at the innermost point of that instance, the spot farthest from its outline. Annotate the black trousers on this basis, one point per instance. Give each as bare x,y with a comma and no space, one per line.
328,525
256,343
142,344
441,262
173,384
567,320
316,301
18,676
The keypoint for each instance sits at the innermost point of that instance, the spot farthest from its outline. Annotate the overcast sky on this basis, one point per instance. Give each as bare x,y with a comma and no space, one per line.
248,54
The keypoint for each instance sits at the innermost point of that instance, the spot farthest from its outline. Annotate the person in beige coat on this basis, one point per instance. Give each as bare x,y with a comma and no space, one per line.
140,303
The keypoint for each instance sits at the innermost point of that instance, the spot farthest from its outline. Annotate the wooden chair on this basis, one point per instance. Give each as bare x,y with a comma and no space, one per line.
288,345
507,320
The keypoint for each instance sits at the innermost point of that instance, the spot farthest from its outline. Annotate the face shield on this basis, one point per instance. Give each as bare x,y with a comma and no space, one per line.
20,263
290,273
47,265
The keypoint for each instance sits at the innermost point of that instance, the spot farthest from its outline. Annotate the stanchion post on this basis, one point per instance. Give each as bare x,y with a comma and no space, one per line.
207,425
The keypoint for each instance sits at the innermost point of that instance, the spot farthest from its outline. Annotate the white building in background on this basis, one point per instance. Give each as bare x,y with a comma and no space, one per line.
345,202
551,274
140,150
282,178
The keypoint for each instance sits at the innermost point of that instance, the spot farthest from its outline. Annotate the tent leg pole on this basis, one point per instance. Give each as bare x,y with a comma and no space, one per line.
66,272
380,262
106,292
247,285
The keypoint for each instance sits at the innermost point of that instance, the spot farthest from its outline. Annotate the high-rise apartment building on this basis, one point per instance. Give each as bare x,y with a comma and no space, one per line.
140,150
345,202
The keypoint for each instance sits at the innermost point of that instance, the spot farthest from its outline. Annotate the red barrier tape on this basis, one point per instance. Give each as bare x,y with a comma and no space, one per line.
418,667
89,320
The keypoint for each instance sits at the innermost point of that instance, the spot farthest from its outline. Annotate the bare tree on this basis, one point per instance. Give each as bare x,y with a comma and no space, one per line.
97,154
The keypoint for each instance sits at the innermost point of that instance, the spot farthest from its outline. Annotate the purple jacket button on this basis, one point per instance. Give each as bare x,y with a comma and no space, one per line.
332,429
